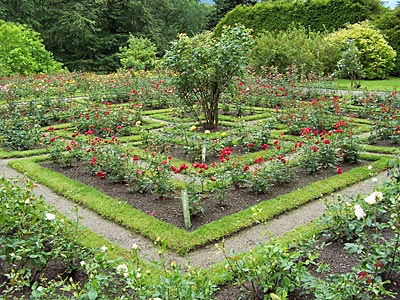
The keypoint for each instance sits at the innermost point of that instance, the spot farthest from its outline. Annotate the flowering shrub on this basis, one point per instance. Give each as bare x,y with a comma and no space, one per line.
62,151
35,240
319,114
385,113
107,120
267,89
32,238
109,159
268,173
160,171
153,90
369,227
326,149
276,270
114,87
19,133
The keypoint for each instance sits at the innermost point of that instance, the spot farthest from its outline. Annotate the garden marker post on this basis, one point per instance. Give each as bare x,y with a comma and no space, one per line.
185,205
203,154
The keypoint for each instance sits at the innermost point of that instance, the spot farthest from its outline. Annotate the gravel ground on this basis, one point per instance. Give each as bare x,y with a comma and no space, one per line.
203,257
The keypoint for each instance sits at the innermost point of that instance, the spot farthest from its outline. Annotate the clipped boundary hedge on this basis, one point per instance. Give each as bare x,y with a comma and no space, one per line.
317,15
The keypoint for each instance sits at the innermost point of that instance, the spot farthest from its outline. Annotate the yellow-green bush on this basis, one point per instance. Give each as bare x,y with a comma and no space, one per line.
22,51
376,55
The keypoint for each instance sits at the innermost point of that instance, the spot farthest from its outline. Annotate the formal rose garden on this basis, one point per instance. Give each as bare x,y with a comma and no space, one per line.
127,147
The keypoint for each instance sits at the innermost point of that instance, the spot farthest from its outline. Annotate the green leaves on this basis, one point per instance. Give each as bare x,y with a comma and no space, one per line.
22,51
139,55
205,66
375,55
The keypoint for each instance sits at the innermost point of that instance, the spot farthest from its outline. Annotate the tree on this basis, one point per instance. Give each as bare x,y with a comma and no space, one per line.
140,54
389,24
222,7
22,51
205,66
350,65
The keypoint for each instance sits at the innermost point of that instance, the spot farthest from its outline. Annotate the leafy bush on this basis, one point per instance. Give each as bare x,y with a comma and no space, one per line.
308,50
389,24
40,259
19,133
22,51
206,65
33,241
376,55
140,54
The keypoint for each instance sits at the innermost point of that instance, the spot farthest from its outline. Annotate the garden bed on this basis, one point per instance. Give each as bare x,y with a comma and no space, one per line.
170,210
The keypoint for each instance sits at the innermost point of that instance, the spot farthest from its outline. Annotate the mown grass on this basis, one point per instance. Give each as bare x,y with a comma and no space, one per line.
387,85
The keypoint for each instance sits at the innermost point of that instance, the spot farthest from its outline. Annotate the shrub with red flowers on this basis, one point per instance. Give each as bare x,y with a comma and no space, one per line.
270,172
240,172
160,174
107,120
319,114
63,151
108,156
326,149
196,181
385,118
268,89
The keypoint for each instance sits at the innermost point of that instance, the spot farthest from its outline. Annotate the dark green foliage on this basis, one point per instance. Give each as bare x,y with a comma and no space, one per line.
314,14
389,25
86,35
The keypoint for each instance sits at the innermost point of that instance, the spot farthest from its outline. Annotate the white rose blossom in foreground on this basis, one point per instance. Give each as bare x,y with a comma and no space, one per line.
374,197
359,211
122,269
50,216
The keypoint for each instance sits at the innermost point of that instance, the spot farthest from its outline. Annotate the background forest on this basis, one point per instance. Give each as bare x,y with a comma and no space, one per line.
89,35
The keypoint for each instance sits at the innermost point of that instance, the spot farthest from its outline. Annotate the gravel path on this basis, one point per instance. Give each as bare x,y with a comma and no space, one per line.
208,255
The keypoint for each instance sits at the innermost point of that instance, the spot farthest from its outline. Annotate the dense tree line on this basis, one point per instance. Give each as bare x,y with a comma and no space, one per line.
103,35
87,34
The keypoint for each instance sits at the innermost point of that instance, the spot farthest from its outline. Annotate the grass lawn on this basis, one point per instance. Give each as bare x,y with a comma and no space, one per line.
389,84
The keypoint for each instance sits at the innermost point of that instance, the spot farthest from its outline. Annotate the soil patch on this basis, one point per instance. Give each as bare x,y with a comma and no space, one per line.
170,210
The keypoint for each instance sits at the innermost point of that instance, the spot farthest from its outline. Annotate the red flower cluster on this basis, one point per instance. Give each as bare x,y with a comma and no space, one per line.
200,166
339,170
101,174
180,169
258,160
224,154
